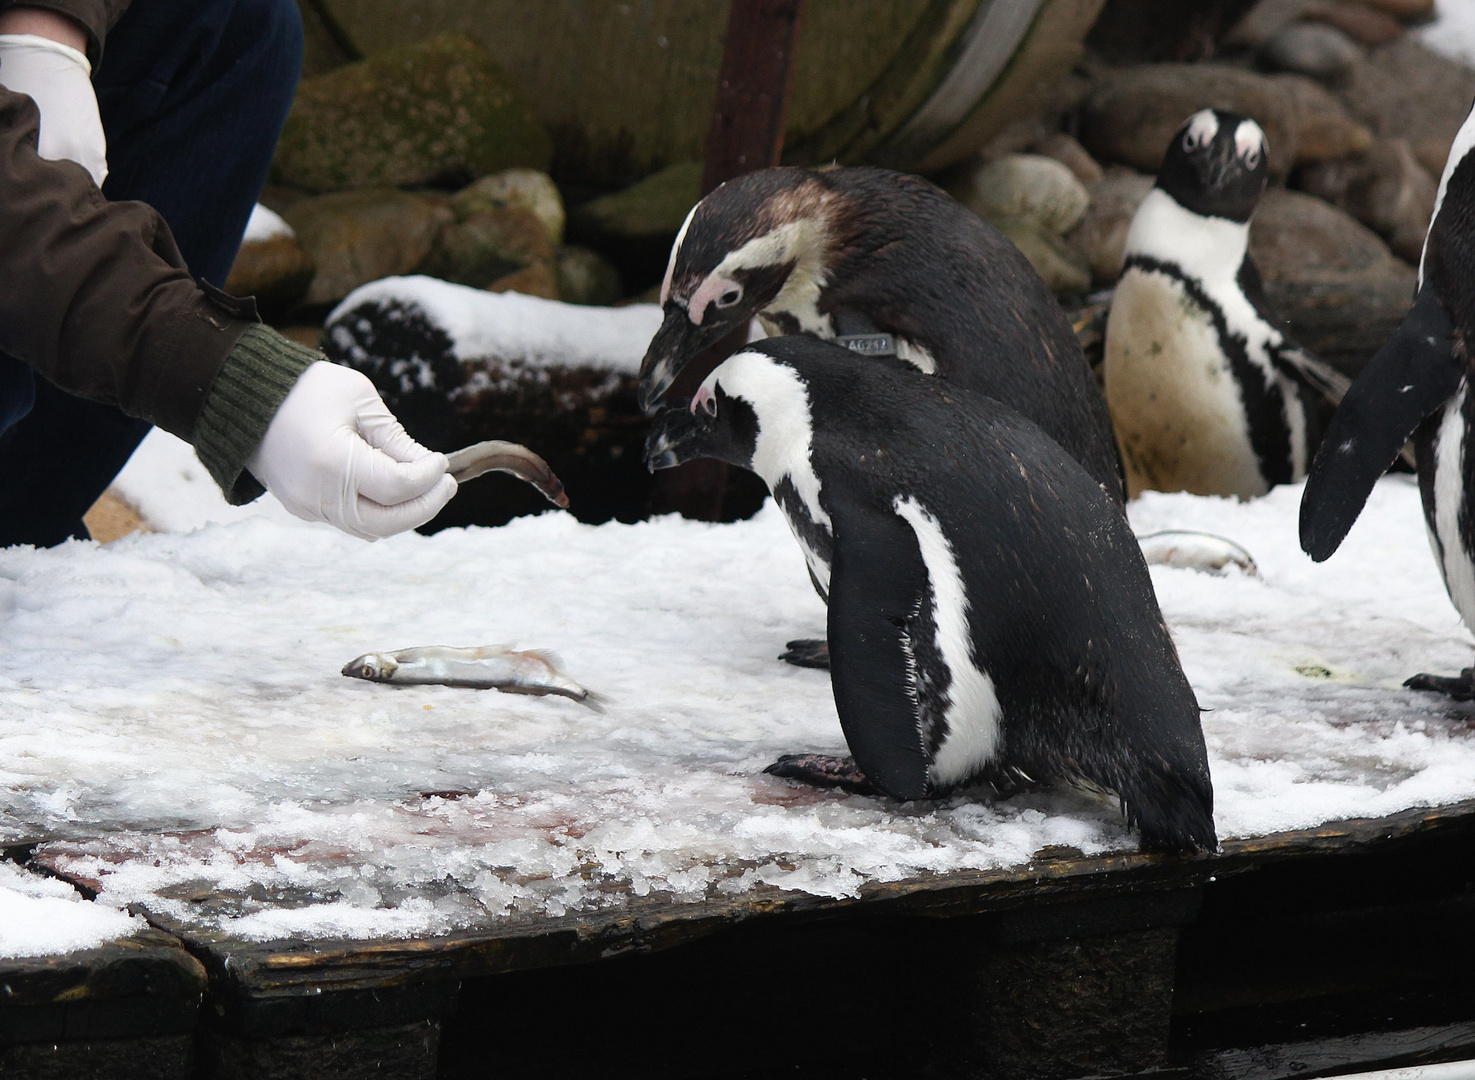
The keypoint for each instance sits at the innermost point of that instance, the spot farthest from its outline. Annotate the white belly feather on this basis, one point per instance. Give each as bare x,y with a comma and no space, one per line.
1454,560
1174,402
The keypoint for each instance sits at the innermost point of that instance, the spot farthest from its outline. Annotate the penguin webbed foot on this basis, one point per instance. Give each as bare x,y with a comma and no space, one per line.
1460,687
823,770
807,652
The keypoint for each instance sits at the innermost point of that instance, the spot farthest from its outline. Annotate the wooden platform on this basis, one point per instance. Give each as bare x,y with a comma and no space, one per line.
1296,954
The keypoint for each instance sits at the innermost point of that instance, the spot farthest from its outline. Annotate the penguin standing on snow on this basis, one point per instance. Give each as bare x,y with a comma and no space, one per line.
1206,394
887,265
1419,384
990,613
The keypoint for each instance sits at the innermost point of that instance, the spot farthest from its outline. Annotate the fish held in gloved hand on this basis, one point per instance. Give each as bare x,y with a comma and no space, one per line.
497,456
488,667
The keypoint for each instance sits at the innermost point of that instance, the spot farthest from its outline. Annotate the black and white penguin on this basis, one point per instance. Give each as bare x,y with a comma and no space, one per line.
888,265
990,613
1419,385
1206,394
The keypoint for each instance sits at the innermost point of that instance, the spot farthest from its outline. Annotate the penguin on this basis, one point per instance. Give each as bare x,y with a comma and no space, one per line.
1206,393
1419,385
990,613
888,265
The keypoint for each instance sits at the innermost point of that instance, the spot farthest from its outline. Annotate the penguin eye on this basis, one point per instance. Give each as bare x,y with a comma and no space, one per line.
730,297
1190,143
1252,159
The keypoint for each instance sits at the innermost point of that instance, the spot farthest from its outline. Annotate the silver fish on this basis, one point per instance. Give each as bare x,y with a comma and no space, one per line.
497,456
489,667
1204,552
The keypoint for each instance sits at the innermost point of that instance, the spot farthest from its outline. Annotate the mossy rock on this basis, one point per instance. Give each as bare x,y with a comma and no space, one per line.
490,243
356,237
436,112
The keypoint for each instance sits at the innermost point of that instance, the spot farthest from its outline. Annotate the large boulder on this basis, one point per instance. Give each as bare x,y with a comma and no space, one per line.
356,237
1339,289
271,265
488,244
436,112
1102,234
1134,113
1405,91
1386,189
515,187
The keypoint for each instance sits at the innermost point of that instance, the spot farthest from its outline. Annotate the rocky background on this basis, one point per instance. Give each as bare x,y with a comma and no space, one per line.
435,154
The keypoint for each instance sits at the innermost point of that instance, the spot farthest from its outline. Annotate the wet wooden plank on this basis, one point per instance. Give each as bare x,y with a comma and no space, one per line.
646,924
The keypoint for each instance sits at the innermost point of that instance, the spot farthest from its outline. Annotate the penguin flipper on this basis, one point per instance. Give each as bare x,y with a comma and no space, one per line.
1416,372
877,580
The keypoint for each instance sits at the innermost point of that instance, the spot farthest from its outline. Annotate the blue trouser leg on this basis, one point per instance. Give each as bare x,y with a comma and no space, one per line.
193,94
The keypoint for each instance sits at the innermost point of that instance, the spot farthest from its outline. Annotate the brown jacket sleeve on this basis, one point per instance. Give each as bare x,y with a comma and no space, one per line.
98,16
94,295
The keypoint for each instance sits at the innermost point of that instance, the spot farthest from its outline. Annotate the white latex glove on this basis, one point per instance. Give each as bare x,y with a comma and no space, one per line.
335,453
59,80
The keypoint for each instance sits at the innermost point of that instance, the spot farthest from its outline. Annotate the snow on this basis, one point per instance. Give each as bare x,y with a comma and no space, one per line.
265,224
1453,30
41,916
172,718
512,327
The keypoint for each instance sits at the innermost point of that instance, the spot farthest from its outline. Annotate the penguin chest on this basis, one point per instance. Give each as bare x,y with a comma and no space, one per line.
1445,480
1175,404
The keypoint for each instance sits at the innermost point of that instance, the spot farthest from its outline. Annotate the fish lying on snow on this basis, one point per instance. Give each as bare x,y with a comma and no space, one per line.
488,667
497,456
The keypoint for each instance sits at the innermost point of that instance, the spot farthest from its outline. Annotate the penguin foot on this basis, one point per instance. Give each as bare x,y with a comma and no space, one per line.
821,770
807,652
1460,687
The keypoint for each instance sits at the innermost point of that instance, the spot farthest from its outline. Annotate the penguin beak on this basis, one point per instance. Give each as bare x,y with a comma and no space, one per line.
675,343
674,438
1219,166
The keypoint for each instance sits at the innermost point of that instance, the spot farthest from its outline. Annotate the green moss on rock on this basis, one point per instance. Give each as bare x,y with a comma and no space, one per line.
438,111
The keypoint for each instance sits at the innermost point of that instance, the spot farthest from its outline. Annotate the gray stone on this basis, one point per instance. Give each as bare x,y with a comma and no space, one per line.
1133,114
586,277
1101,236
1023,187
515,187
277,271
436,111
1307,48
488,244
1061,266
1075,157
1405,91
1340,290
355,237
1386,189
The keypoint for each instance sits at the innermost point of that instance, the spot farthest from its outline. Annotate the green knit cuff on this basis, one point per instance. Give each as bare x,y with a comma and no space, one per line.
256,377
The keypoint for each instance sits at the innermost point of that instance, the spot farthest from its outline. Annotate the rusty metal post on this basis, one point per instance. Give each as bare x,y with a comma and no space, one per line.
747,133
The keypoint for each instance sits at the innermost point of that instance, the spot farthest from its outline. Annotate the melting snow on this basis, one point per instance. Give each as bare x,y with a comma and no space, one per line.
171,714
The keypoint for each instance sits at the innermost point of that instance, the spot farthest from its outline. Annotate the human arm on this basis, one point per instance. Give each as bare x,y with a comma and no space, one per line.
95,296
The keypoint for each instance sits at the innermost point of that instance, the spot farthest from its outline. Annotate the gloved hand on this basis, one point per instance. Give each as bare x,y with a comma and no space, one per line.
58,79
335,453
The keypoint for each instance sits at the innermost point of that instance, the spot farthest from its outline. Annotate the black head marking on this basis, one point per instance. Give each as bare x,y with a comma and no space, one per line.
1216,165
714,425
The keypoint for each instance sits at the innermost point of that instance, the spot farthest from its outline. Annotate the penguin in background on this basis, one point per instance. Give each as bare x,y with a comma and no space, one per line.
1417,385
888,265
1206,393
990,613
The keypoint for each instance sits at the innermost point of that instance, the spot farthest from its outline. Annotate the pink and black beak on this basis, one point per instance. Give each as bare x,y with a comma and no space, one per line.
676,344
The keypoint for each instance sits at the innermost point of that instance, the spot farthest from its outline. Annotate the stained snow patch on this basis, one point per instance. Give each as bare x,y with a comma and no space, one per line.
172,704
